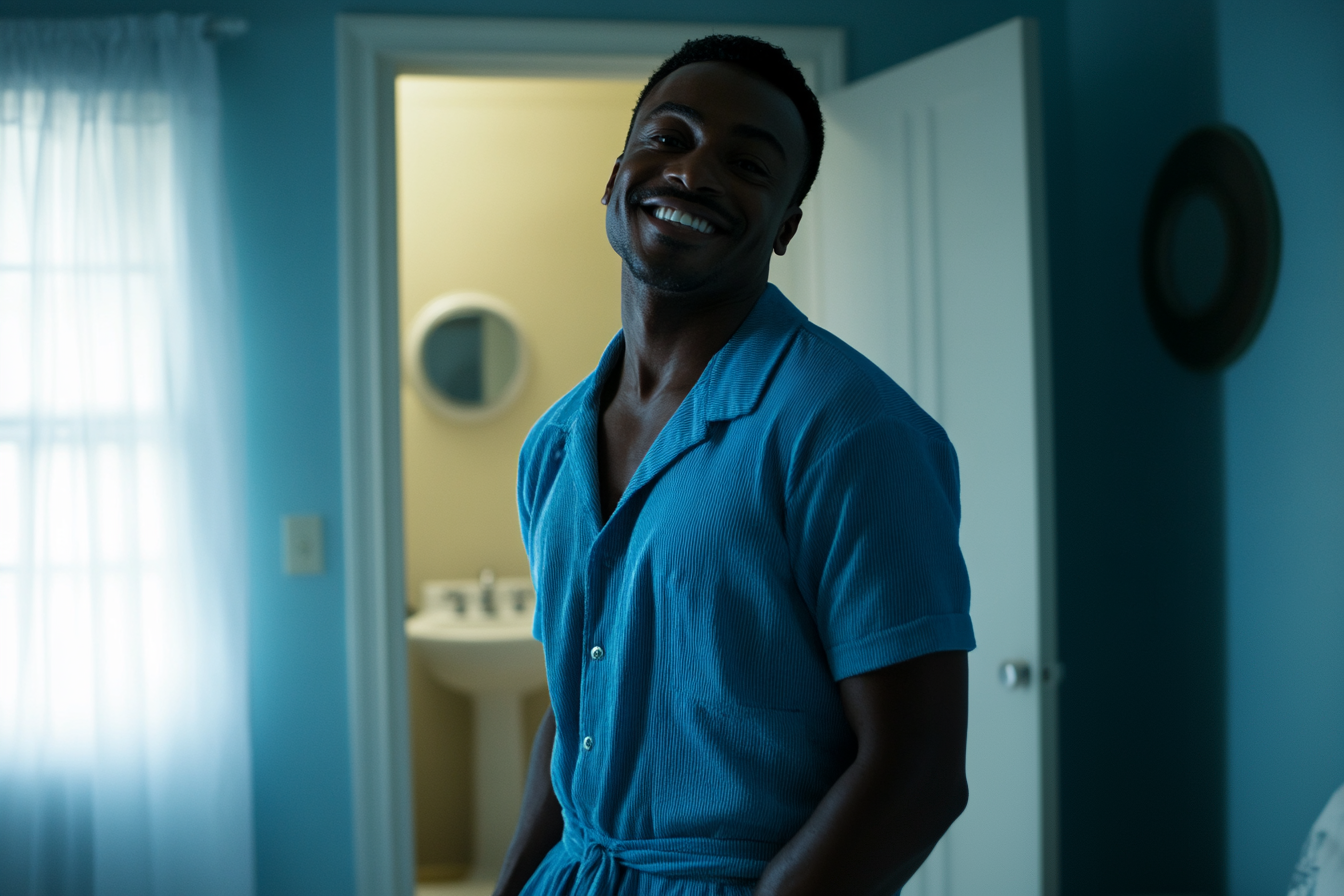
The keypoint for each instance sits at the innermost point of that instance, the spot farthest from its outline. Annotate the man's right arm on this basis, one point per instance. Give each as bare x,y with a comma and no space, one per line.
540,825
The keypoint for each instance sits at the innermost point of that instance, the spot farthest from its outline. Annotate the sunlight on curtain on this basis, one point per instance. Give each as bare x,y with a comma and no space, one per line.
124,763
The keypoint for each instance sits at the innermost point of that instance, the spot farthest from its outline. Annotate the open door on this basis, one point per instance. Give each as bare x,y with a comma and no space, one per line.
928,247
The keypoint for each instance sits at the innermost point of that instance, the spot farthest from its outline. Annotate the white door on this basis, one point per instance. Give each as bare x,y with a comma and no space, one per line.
926,254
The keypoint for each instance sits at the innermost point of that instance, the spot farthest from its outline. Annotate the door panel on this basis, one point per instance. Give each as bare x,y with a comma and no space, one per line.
924,219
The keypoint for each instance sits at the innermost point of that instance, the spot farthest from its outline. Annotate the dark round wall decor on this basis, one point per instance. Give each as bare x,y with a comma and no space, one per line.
1210,247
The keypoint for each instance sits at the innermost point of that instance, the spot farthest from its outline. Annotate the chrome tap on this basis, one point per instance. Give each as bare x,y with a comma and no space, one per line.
488,592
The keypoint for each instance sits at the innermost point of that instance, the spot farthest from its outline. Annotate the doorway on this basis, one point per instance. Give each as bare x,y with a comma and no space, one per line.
498,180
372,53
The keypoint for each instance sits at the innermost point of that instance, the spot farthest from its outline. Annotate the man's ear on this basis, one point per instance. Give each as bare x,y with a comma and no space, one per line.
611,181
788,230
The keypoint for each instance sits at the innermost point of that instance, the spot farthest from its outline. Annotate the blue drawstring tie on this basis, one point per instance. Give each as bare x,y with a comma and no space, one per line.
598,872
602,863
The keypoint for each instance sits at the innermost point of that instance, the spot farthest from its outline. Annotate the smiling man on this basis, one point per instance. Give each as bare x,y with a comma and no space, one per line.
743,537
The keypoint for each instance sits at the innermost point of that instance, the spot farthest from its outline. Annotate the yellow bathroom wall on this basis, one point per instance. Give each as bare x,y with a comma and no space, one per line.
499,181
498,188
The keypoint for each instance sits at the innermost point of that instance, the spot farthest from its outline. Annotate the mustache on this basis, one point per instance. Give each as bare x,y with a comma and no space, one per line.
642,195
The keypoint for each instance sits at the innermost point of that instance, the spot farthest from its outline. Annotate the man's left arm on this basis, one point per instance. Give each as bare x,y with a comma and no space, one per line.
906,786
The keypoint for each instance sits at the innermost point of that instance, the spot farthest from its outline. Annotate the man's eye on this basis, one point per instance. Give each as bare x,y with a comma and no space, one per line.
666,139
753,167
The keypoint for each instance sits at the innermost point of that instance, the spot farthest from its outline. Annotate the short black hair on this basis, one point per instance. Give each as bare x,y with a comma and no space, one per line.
765,60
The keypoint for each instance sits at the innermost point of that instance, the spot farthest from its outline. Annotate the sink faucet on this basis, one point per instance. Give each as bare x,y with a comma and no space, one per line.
488,592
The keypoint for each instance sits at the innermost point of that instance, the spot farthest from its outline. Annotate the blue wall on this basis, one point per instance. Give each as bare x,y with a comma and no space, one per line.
280,166
1283,83
1139,478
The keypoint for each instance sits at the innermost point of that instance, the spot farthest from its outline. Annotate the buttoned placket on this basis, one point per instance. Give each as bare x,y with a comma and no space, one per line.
606,557
603,575
582,444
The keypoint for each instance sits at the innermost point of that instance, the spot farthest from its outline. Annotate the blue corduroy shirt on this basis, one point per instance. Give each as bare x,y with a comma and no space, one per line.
795,523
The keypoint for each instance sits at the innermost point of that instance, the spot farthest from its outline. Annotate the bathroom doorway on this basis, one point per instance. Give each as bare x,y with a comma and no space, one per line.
373,52
498,188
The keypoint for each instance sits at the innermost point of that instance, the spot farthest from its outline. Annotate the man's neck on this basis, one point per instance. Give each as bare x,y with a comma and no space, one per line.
671,337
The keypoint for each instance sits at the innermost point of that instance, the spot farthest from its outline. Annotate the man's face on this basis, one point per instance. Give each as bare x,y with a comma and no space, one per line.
704,190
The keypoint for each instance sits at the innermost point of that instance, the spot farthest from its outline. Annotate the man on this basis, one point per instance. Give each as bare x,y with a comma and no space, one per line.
744,541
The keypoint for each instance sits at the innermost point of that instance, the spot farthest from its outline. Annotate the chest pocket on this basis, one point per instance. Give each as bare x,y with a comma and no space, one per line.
732,772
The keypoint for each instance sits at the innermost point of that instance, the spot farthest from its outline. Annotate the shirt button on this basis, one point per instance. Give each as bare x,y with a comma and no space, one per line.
587,743
597,653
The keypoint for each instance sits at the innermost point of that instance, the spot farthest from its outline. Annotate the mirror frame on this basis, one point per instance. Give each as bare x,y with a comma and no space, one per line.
435,312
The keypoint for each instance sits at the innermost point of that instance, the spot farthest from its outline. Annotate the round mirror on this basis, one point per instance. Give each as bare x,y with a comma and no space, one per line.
465,356
1211,239
1198,249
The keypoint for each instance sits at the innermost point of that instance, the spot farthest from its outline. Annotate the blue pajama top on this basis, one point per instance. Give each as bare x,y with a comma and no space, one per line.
794,523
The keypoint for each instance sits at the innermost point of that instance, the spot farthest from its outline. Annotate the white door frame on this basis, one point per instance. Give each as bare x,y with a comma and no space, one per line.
371,52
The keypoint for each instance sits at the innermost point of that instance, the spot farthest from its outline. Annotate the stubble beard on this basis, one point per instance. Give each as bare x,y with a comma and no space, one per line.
664,278
672,278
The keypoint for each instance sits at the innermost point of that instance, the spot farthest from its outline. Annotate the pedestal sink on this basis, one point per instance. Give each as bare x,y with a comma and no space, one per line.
476,638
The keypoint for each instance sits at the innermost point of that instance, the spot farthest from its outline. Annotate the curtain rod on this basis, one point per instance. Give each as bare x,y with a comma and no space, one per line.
225,28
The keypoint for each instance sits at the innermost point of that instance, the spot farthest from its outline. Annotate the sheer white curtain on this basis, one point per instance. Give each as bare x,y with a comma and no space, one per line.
124,764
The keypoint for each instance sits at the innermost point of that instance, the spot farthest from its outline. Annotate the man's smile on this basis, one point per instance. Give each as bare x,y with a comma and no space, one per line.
685,219
674,214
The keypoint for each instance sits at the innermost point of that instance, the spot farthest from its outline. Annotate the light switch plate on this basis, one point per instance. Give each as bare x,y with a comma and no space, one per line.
302,537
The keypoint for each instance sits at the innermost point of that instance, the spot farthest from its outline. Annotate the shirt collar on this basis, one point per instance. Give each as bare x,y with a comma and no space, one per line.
730,386
735,378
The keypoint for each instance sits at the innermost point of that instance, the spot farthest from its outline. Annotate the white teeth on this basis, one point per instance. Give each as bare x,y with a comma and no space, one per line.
662,213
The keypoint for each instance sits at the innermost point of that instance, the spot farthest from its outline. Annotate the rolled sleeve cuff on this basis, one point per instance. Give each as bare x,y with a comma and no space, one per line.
930,634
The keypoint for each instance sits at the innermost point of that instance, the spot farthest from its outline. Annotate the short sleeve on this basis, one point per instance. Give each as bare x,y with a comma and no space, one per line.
873,531
526,488
538,462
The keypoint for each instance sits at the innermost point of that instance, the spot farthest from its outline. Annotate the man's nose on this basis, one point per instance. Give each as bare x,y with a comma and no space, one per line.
696,171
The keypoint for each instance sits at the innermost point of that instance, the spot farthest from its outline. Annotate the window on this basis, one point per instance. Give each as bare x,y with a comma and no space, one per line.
124,761
87,252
